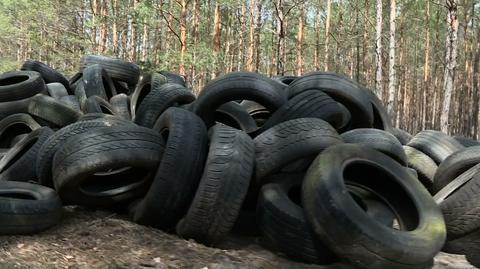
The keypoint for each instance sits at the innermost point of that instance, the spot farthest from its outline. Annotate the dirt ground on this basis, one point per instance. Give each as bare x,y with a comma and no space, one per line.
100,239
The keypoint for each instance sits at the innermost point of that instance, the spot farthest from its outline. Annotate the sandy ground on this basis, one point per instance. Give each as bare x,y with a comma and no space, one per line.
99,239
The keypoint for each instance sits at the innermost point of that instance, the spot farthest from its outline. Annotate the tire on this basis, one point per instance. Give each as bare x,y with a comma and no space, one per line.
347,119
222,188
435,144
466,141
48,74
15,125
461,209
47,151
423,164
179,172
342,90
345,227
96,104
378,140
173,78
118,69
160,99
121,87
81,95
234,115
89,169
283,224
74,81
289,141
17,85
381,119
238,86
56,90
96,81
27,208
258,112
403,136
71,101
121,106
148,83
454,165
285,79
17,139
308,104
18,164
51,110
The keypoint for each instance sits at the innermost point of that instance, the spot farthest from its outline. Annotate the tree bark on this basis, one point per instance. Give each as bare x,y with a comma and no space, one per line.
114,5
251,48
241,44
327,34
391,61
93,35
426,65
217,32
316,53
300,39
183,36
378,51
450,62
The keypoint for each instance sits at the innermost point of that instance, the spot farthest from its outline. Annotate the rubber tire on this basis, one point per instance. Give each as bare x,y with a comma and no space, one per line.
120,104
71,101
379,140
454,165
283,224
342,90
345,227
179,172
234,115
381,119
238,86
96,104
48,74
17,85
258,112
51,110
308,104
27,208
285,79
81,95
160,99
424,166
56,90
148,83
222,188
17,139
435,144
116,68
466,141
47,151
74,81
173,78
289,141
9,128
18,164
403,136
102,149
96,81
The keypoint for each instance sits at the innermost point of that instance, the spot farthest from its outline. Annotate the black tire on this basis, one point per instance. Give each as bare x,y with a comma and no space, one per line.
17,85
283,224
238,86
347,119
81,95
234,115
17,139
403,136
27,208
74,81
381,119
173,78
96,104
118,69
466,141
105,166
14,125
258,112
48,74
121,87
47,152
18,164
56,90
52,110
308,104
454,165
289,141
222,188
71,101
120,104
379,140
285,79
342,90
461,209
96,81
179,172
148,83
356,237
423,164
435,144
160,99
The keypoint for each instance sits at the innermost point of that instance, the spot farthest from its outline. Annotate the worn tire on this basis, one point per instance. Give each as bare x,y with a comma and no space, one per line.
56,90
52,110
96,104
149,83
120,104
96,81
345,227
423,164
222,188
118,69
17,85
381,119
173,78
179,172
403,136
71,101
234,115
435,144
466,141
14,125
48,74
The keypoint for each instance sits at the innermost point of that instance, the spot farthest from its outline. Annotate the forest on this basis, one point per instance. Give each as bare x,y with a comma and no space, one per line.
421,57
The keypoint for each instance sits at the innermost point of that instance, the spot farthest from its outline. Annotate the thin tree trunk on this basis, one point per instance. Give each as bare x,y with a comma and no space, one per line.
251,48
426,65
241,44
450,62
193,66
316,53
103,28
300,40
183,36
145,40
258,28
114,26
378,52
391,61
217,31
327,33
93,36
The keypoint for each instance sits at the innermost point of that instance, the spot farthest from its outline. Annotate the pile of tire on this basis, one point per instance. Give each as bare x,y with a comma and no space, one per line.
310,164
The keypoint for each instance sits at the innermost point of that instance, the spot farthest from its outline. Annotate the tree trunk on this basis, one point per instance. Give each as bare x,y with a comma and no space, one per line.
391,61
251,48
450,62
104,27
217,32
426,65
93,35
114,27
280,37
258,28
241,44
300,39
193,66
145,40
132,55
378,52
327,33
183,36
316,53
